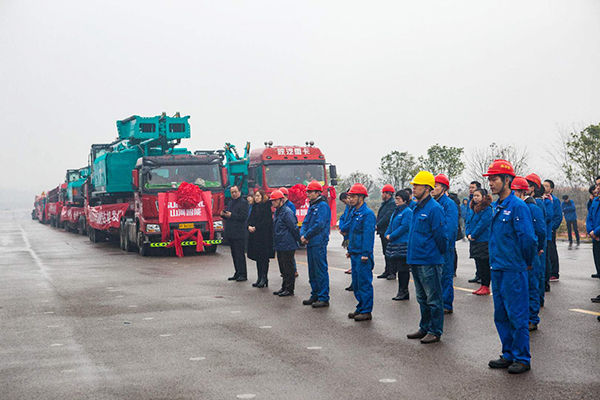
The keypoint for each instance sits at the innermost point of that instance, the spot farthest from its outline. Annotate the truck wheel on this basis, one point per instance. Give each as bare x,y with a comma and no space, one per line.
96,235
122,234
143,248
210,249
81,227
66,226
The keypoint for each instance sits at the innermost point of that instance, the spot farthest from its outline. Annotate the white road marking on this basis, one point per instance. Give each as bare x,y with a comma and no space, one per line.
48,312
197,358
236,312
53,326
314,348
148,318
132,306
56,345
246,396
584,311
387,380
67,371
265,327
166,335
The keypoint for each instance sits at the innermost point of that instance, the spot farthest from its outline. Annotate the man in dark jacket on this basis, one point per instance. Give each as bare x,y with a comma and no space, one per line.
570,212
383,220
557,218
234,217
285,242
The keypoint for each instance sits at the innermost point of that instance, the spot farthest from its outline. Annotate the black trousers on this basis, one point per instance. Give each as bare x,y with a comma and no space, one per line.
483,270
572,225
552,257
262,269
238,254
384,243
596,252
399,265
286,262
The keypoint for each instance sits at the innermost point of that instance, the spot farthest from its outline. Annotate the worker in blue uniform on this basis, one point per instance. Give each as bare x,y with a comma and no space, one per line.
361,239
440,193
512,250
557,217
521,189
291,206
315,236
536,190
343,226
427,242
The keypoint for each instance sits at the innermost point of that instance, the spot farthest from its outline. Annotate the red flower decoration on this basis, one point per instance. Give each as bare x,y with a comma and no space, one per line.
298,195
188,195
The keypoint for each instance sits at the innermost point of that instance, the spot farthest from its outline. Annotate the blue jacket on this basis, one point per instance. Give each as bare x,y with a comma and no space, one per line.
479,225
384,214
451,218
344,222
285,230
427,241
399,225
361,235
316,225
548,204
512,240
539,225
592,222
557,216
464,210
413,204
569,210
292,207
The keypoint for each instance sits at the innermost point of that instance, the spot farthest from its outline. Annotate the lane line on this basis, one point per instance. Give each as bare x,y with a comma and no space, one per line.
585,311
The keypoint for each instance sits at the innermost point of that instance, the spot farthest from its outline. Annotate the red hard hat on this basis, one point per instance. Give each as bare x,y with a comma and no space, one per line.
441,178
519,183
500,167
534,178
284,191
276,195
314,185
358,188
388,188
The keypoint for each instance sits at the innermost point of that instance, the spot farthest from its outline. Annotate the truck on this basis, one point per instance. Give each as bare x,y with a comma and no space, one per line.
73,200
54,204
293,167
140,187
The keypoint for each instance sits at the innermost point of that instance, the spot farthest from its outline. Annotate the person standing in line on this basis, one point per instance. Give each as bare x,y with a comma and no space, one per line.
250,201
440,193
361,239
412,203
343,228
397,235
234,217
592,191
315,235
260,239
474,185
512,251
557,218
285,241
536,190
549,205
383,220
479,226
464,205
292,207
521,188
570,213
592,226
427,242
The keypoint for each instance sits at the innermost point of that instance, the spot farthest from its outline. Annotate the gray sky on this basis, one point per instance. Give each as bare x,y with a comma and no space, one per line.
359,78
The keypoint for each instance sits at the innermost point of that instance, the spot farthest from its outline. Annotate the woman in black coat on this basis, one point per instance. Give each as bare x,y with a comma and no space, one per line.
260,239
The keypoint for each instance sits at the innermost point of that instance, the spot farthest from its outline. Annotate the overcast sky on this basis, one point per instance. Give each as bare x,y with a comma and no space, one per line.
358,78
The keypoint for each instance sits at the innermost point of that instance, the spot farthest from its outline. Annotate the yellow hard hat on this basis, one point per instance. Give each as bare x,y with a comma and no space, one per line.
424,178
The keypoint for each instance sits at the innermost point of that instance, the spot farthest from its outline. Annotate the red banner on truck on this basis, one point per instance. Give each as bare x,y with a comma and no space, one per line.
71,214
106,216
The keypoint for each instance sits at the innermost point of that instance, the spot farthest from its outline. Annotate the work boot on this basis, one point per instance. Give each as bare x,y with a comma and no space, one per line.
476,279
518,368
448,311
430,339
320,304
350,288
286,293
352,314
532,327
363,317
277,292
416,335
310,301
382,276
402,296
500,363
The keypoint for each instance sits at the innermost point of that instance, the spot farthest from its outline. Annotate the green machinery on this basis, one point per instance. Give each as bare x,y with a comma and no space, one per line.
237,167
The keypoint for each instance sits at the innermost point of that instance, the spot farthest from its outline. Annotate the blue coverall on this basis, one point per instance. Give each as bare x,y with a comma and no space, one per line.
451,226
512,249
315,229
542,283
361,238
539,228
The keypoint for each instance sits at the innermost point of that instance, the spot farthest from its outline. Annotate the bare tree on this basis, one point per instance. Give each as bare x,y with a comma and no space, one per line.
356,177
478,160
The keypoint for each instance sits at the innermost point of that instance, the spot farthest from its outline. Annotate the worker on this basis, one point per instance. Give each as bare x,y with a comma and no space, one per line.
285,242
291,206
343,228
521,189
361,238
315,236
397,235
412,203
383,220
479,224
557,217
440,193
536,190
473,186
512,251
427,242
549,206
592,227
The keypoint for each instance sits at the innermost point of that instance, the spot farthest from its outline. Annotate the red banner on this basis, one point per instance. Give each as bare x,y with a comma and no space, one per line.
54,208
106,216
71,214
170,212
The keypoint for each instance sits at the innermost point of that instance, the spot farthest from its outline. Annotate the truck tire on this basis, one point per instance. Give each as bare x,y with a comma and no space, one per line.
210,249
96,236
122,235
66,226
143,248
81,227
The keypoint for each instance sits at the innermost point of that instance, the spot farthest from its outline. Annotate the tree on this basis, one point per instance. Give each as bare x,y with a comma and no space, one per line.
479,160
443,160
581,155
356,177
397,168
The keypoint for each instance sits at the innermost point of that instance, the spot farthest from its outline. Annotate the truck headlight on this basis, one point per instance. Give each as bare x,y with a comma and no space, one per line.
153,228
218,225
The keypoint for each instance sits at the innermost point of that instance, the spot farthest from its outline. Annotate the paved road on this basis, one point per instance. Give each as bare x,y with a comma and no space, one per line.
83,320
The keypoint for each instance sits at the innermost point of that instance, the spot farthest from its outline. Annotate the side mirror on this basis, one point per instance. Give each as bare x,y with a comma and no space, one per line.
334,182
135,179
333,173
224,177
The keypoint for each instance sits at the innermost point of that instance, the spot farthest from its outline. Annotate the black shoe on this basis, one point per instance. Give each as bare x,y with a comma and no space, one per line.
500,363
532,327
309,301
241,279
598,317
382,276
401,296
232,278
350,288
263,283
595,276
277,292
476,279
448,311
518,368
391,277
363,317
286,294
596,299
320,304
547,287
352,315
430,339
255,284
416,335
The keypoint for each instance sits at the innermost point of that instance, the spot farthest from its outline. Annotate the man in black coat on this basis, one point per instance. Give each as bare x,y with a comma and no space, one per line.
234,218
388,206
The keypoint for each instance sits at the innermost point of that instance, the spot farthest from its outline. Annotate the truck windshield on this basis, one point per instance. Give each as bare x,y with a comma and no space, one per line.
73,176
292,174
166,177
